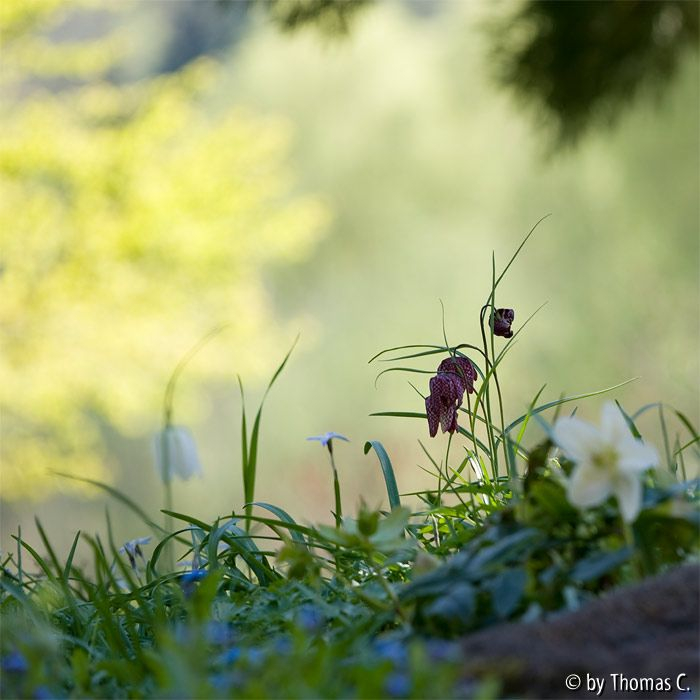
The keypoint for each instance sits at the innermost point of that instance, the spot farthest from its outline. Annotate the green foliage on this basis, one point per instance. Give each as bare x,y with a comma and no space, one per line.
581,63
268,607
328,16
133,218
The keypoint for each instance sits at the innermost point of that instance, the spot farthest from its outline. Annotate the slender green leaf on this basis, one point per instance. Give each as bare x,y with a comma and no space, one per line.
49,549
387,470
567,399
297,536
122,498
515,255
629,421
69,561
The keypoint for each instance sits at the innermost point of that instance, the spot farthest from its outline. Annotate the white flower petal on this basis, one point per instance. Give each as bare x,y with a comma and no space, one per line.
638,456
588,486
613,425
187,459
576,438
176,454
628,491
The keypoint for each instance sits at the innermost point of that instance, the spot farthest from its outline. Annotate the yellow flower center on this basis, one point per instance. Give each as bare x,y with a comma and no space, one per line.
606,459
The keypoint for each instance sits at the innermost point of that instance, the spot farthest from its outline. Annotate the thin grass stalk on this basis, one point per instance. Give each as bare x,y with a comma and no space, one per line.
493,355
336,489
487,395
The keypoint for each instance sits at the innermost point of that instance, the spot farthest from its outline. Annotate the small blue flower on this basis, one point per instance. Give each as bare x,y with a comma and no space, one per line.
188,580
391,650
193,576
310,618
327,439
230,656
132,549
15,662
398,685
219,633
255,656
43,693
283,646
220,681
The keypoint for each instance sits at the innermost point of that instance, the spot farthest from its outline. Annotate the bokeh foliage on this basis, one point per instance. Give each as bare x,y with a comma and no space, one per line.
580,64
427,166
133,220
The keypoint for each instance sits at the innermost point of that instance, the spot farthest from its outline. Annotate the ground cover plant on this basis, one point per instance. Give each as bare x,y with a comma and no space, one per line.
373,603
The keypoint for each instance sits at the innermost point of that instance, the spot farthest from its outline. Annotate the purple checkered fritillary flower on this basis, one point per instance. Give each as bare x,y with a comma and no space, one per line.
502,320
455,375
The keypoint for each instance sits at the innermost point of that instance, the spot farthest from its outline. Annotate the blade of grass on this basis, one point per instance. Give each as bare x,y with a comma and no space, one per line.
670,462
250,465
436,350
121,497
37,558
629,421
285,517
512,260
387,471
49,549
71,554
527,415
567,399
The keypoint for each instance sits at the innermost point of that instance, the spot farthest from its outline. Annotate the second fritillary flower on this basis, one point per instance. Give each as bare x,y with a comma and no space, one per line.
455,376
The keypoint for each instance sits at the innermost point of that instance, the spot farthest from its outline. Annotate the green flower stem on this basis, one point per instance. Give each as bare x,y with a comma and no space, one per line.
447,472
167,488
487,404
336,489
392,596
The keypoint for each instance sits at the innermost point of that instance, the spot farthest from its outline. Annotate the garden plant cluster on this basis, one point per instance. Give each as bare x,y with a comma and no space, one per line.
257,604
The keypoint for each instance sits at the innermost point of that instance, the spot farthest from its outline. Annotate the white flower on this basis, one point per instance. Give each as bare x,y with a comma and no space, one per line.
609,461
176,454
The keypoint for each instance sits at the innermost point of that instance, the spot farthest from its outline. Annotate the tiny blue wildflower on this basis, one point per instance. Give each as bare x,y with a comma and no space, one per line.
255,656
193,576
219,633
220,681
327,439
283,645
188,580
398,685
392,650
43,693
310,618
15,662
230,656
132,549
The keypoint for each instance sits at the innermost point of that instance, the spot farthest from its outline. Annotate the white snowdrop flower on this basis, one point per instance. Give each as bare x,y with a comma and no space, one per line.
609,461
176,454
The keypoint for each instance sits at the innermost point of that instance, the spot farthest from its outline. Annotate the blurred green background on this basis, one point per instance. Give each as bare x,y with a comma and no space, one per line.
170,166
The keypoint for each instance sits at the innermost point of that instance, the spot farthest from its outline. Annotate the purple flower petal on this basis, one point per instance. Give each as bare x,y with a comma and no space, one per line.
455,376
502,320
